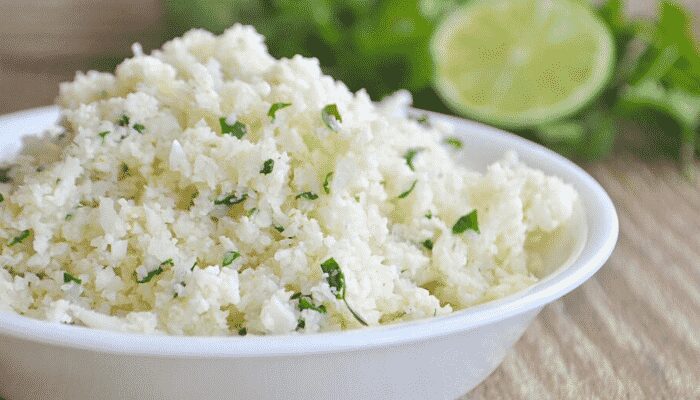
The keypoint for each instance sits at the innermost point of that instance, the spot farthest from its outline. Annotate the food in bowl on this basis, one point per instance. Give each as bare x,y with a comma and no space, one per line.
210,189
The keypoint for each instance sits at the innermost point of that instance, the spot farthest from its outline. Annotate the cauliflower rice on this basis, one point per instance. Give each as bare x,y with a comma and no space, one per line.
210,189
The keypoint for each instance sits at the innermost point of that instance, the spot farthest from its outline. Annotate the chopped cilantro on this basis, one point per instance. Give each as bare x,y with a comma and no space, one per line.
103,134
307,196
428,244
69,217
406,193
229,258
279,228
467,222
231,199
243,331
423,119
331,117
250,212
169,262
410,154
238,129
4,178
123,171
123,120
276,107
268,165
454,142
70,278
301,324
327,182
139,128
2,198
429,214
336,280
306,303
20,238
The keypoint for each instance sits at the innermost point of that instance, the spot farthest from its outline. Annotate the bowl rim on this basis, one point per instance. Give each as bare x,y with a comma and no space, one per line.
602,236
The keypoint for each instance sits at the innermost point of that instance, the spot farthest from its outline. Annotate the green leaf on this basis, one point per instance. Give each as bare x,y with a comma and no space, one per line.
123,120
151,275
336,280
103,134
454,142
229,258
139,128
2,198
70,278
331,117
428,244
407,192
326,182
467,222
238,129
231,199
276,107
306,303
267,167
243,331
4,177
279,228
307,196
410,155
335,277
20,238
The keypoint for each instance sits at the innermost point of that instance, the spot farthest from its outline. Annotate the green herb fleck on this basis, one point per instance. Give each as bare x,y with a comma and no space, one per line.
169,262
4,178
423,119
306,303
123,171
70,278
123,120
428,244
69,217
276,107
331,117
243,331
307,196
250,212
279,228
406,193
429,214
301,324
410,154
336,280
20,238
238,129
139,128
268,165
2,198
229,258
467,222
231,199
193,266
103,134
150,275
454,142
327,182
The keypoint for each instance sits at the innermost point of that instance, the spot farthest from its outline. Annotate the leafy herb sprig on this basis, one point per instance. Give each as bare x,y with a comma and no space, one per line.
336,280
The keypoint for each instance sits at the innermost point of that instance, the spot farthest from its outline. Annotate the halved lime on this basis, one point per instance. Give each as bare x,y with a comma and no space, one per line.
519,63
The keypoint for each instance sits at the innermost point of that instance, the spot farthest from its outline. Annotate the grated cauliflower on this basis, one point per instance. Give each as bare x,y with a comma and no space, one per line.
199,189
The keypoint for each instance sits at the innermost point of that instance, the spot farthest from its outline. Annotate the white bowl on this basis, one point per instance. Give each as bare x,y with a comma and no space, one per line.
439,358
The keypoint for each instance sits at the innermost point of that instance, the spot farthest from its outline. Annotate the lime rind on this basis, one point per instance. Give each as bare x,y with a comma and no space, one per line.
602,71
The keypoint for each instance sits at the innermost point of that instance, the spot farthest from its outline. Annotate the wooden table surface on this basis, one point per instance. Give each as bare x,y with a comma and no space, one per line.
631,332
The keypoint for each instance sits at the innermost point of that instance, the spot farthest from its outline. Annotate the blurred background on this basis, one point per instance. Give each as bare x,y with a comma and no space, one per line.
382,46
630,333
